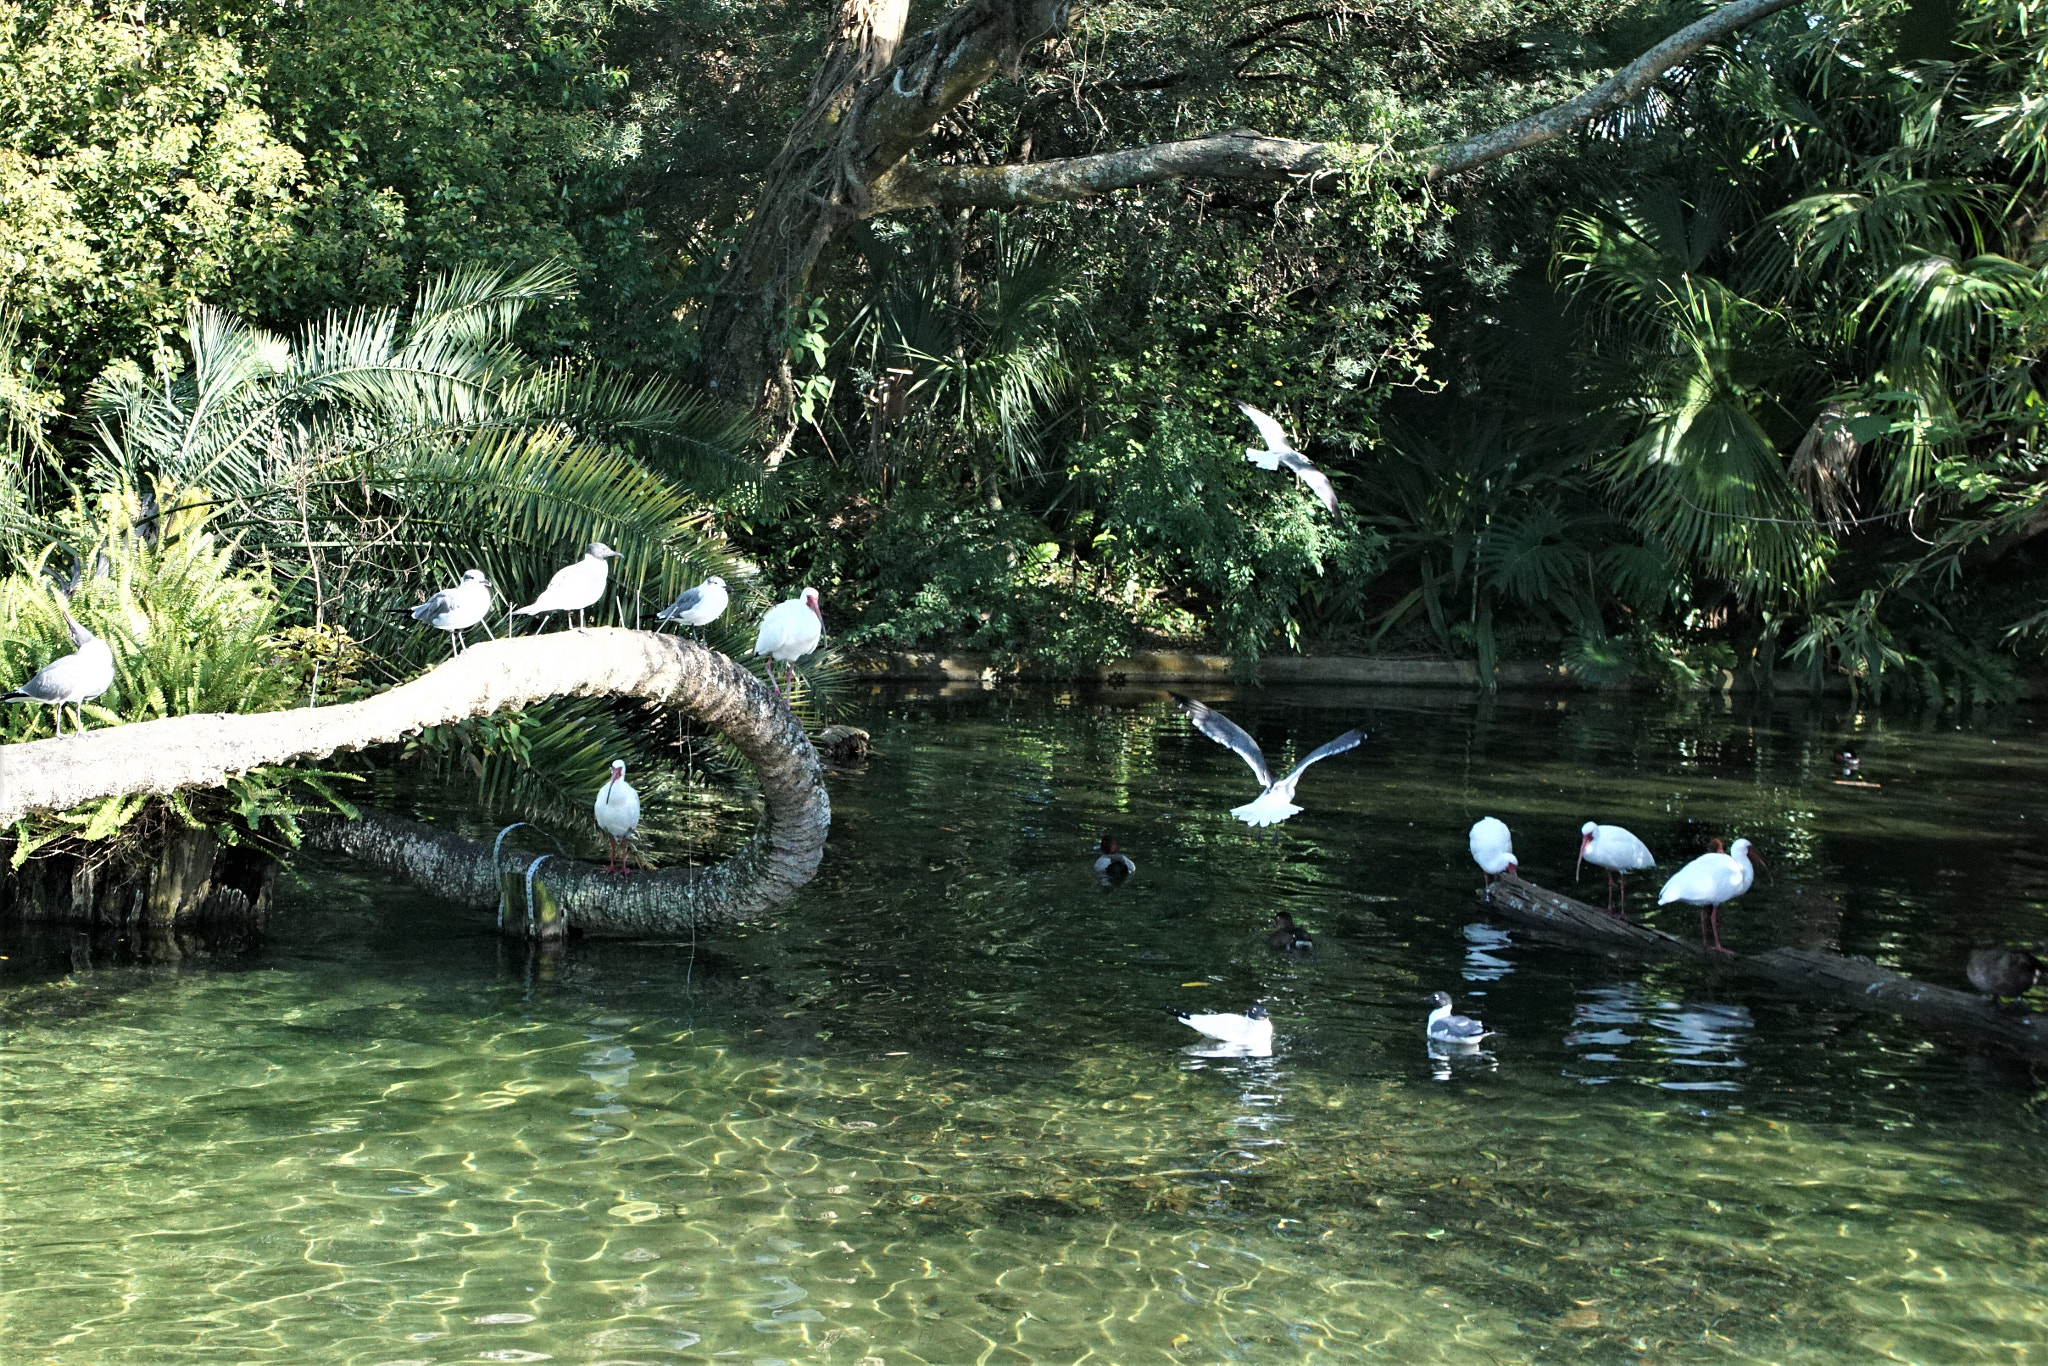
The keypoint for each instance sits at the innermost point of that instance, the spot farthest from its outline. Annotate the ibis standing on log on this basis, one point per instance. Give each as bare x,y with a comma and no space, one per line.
618,814
574,587
1708,882
1616,850
1276,802
1493,849
456,609
789,631
73,679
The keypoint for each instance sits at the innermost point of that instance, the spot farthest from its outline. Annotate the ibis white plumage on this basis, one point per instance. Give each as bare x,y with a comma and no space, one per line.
456,609
1493,848
789,631
575,586
72,679
1279,450
699,606
1616,850
1276,802
1251,1031
1709,882
618,813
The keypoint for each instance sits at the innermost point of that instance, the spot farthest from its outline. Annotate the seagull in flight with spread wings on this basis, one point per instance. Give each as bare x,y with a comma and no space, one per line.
1280,451
1276,802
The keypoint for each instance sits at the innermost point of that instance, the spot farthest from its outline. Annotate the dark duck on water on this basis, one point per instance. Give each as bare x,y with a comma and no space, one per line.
1285,934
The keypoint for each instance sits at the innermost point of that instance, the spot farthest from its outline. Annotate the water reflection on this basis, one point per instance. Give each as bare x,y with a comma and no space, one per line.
1482,960
1699,1036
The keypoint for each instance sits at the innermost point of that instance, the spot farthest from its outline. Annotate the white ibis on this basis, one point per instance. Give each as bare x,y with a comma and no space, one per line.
2003,972
789,631
1251,1031
456,609
1280,451
76,678
1276,802
699,606
1709,881
1493,849
1444,1027
618,813
574,587
1283,933
1113,866
1616,850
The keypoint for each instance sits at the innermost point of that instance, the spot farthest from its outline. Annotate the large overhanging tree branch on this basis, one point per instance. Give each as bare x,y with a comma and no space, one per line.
203,751
845,160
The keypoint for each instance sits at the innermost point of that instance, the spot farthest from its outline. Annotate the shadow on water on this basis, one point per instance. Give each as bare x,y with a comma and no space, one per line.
936,1110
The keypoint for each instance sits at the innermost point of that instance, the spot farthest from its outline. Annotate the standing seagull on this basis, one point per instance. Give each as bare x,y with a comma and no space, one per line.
618,814
76,678
1280,451
1276,802
574,587
1444,1027
789,631
1251,1031
1616,850
1493,849
699,606
1708,881
456,609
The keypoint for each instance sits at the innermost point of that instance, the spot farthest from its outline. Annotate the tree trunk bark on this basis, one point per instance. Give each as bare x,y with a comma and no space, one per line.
869,105
202,751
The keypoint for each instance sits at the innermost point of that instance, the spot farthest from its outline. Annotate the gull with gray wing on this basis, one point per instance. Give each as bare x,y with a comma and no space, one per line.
1279,451
1276,802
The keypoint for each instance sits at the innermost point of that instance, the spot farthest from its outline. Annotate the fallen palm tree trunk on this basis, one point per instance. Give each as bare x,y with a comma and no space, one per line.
1851,981
161,757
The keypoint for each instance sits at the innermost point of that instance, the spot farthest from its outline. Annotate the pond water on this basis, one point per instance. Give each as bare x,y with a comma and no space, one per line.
937,1112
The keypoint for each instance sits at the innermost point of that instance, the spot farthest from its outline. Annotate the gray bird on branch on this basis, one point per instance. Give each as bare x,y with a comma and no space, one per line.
74,679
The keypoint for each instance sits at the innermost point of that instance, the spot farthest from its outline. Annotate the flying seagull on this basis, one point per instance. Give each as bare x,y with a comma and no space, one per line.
1280,451
699,606
574,587
456,609
1276,802
75,678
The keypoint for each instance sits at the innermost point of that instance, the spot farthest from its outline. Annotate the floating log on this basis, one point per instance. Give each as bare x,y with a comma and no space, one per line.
1849,981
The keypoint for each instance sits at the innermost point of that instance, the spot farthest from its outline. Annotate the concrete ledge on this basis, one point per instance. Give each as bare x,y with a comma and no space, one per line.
1192,668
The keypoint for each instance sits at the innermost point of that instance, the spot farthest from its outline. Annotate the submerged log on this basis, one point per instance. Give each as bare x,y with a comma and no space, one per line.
1849,981
203,751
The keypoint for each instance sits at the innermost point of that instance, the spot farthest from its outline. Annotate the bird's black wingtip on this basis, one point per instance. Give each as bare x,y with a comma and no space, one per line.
1176,1012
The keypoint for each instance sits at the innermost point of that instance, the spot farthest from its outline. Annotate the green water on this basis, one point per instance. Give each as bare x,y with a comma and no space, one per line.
935,1112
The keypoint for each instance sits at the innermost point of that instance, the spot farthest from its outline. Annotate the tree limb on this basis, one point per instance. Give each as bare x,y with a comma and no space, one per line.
161,757
1243,154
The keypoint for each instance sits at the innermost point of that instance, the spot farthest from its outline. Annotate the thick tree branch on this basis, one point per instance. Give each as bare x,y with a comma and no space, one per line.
204,751
1246,155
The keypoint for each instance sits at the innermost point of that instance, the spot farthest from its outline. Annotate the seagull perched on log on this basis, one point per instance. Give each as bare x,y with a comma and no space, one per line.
1280,451
618,813
699,606
574,587
456,609
1276,802
789,631
76,678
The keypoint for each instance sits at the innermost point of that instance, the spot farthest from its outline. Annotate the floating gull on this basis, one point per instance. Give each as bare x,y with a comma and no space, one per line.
1444,1027
1251,1031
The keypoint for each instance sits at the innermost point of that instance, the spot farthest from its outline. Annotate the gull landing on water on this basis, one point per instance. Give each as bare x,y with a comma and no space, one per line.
1280,451
1276,803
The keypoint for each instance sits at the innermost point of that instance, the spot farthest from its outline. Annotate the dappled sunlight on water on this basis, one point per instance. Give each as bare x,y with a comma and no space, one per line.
937,1113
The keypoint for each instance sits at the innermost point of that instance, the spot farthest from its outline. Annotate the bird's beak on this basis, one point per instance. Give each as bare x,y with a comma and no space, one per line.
1580,865
1753,858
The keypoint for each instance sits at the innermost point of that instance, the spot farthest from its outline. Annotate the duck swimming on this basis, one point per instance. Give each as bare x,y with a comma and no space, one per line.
1112,867
1252,1030
1287,935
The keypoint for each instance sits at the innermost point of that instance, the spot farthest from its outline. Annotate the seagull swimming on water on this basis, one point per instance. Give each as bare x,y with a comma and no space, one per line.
76,678
456,609
1444,1027
1251,1031
699,606
574,587
1280,451
1276,802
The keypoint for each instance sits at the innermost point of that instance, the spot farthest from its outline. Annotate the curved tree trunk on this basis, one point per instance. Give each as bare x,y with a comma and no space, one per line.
203,751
